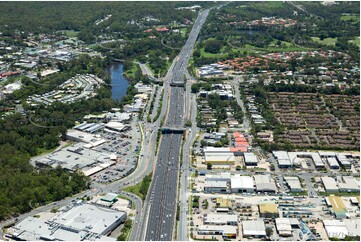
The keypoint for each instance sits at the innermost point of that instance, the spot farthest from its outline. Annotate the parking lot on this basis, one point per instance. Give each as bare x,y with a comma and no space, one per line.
126,146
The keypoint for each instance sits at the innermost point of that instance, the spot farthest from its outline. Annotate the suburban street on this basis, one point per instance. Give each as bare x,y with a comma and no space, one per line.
186,171
246,121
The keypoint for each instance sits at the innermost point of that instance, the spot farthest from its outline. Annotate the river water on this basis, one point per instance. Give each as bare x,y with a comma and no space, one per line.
118,82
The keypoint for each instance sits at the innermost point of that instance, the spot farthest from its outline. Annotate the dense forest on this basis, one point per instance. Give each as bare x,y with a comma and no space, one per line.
127,17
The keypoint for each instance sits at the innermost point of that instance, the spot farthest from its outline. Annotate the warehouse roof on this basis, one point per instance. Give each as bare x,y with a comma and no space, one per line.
353,226
329,183
219,157
327,154
212,183
343,159
268,208
293,182
281,155
250,158
264,183
34,226
349,183
74,157
332,161
89,217
282,158
225,176
210,149
337,205
216,218
283,224
225,229
115,125
245,182
254,228
335,229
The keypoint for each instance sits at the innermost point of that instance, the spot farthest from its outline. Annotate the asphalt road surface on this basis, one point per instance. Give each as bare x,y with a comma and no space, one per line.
161,204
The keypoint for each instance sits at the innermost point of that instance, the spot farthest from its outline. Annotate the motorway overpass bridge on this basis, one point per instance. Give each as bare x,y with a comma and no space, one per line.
177,84
173,130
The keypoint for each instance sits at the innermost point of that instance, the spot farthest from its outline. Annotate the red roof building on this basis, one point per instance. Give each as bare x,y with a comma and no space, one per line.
162,29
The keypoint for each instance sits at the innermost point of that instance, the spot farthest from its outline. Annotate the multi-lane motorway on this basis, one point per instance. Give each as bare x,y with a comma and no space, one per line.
161,201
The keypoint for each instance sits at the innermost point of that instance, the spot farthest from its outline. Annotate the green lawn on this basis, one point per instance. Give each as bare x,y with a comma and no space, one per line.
250,48
271,48
207,54
131,72
183,31
274,43
135,190
71,33
43,151
327,41
356,41
353,18
126,230
141,188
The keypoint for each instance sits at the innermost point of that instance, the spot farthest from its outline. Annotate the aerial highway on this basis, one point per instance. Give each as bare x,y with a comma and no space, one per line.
161,203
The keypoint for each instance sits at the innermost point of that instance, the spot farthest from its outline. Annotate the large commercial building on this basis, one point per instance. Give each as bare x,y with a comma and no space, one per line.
216,150
219,159
349,184
115,126
332,163
241,184
335,229
296,158
289,159
81,222
254,229
227,231
212,186
223,176
338,207
264,183
283,226
250,159
344,160
74,157
217,183
220,219
282,159
293,183
330,184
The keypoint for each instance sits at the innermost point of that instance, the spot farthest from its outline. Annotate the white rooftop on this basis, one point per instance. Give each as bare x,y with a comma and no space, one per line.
329,183
250,158
216,218
212,183
225,229
210,149
252,228
242,182
89,217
